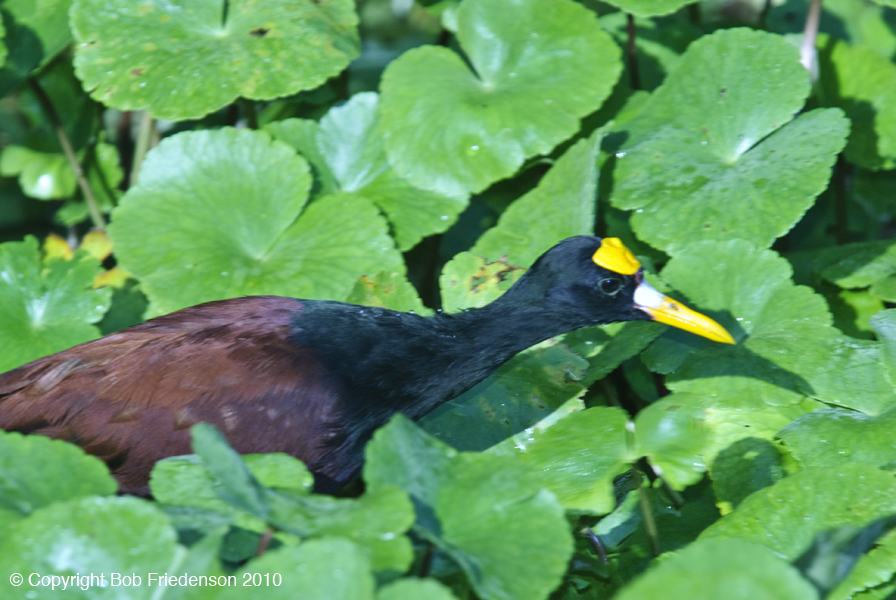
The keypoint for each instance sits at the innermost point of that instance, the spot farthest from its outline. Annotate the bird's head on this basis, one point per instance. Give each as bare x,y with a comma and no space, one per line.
592,281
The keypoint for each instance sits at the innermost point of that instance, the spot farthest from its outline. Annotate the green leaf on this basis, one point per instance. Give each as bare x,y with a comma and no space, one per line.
715,145
506,523
219,214
884,325
871,571
45,308
183,62
376,522
41,175
579,456
35,32
36,471
326,569
387,290
563,205
835,437
415,589
858,265
721,568
786,516
649,8
862,83
672,437
124,536
488,512
523,391
470,281
233,482
401,454
786,344
530,80
347,153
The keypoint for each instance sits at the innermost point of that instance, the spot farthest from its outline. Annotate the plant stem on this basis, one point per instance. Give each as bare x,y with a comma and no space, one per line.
144,136
264,541
597,544
808,52
92,207
647,513
632,53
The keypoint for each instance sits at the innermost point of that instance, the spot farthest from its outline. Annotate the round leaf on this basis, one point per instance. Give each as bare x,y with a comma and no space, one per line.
827,438
649,8
182,61
786,344
45,308
712,155
579,456
506,523
730,569
561,206
326,569
786,516
533,77
123,536
219,214
36,471
415,589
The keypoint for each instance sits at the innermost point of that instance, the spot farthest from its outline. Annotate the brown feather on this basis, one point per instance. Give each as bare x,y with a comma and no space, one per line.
131,397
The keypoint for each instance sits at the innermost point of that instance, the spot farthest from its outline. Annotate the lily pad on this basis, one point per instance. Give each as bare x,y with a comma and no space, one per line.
579,456
181,61
41,175
219,214
562,205
529,81
786,516
65,471
649,8
488,512
330,568
111,536
786,346
721,568
387,290
834,437
347,154
717,146
46,307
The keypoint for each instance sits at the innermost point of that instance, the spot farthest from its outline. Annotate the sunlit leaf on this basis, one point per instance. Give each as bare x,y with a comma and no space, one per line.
716,154
45,308
533,77
184,61
237,200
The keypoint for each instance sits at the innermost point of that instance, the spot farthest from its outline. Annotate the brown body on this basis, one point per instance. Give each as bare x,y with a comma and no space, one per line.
131,397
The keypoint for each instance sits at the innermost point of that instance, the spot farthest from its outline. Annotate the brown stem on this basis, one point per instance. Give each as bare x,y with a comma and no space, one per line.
92,207
632,53
597,544
264,541
808,52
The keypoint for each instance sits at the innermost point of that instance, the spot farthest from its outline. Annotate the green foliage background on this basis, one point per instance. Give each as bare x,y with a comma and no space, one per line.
420,156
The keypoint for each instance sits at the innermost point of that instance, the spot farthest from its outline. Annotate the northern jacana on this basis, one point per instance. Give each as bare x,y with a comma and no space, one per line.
312,378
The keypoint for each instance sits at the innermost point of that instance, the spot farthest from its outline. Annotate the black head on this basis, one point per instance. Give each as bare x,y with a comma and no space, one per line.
586,280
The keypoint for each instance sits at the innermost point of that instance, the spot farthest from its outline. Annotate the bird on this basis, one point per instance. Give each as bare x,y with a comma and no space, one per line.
313,378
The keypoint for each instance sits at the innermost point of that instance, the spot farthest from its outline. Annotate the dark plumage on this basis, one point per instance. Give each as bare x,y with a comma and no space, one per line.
310,378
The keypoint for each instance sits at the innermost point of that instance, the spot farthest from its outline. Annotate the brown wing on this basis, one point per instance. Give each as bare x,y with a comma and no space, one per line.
131,397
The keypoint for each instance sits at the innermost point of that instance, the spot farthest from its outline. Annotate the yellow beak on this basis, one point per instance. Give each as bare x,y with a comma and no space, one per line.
671,312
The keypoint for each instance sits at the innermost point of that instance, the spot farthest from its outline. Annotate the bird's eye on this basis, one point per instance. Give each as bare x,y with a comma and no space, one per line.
609,285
